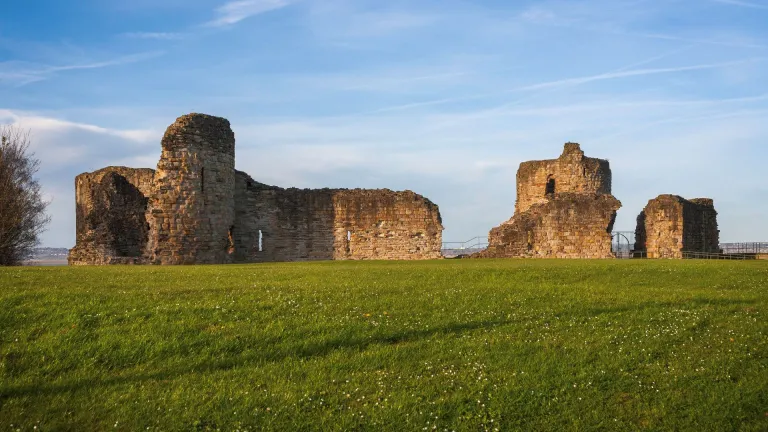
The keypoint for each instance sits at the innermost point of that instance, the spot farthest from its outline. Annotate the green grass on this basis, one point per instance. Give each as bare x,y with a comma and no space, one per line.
443,345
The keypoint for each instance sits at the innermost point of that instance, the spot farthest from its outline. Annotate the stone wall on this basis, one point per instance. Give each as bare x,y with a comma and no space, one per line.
110,216
571,172
671,225
564,209
196,209
276,224
567,226
386,225
191,211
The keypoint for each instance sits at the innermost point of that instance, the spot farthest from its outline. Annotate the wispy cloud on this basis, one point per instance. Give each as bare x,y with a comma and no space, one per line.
725,43
20,73
133,58
624,72
41,123
362,24
584,18
633,73
236,11
155,35
743,4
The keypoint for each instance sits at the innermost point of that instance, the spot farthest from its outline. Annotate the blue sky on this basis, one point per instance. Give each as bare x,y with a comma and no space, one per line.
445,97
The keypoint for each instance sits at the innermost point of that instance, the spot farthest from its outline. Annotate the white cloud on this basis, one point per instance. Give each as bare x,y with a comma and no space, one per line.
236,11
67,149
40,123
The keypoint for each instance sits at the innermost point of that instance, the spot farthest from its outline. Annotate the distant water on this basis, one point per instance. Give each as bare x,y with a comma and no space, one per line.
46,262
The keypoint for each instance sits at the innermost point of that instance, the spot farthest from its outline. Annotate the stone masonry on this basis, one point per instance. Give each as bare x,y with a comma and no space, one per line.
192,207
105,201
564,209
670,225
572,172
197,209
333,224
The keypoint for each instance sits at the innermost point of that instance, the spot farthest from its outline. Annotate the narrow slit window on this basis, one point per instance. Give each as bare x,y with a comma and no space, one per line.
261,241
349,241
202,179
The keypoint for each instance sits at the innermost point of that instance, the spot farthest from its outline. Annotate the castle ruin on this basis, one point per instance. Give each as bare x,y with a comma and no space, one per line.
564,209
197,209
671,226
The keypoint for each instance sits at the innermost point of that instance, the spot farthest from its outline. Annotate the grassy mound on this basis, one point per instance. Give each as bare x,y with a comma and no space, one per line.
442,345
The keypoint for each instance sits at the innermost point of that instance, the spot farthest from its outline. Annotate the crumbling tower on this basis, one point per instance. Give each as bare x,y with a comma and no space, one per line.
564,209
539,181
671,226
191,211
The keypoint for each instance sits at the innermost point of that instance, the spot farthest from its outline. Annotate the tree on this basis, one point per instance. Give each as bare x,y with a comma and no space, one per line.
22,208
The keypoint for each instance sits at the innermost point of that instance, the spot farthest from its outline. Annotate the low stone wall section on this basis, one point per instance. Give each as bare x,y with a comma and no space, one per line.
276,224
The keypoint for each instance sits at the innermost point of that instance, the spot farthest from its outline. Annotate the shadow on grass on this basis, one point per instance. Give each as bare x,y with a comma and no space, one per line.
276,353
314,350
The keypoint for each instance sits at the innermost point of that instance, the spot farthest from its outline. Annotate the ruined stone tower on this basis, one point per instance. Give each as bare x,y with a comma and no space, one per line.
196,209
191,212
564,209
538,181
671,226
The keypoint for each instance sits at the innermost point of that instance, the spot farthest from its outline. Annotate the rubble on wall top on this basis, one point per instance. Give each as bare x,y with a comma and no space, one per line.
572,147
200,120
703,201
709,202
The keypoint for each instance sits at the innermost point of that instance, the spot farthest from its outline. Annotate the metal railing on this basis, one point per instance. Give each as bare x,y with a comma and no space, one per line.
622,244
717,256
473,245
696,255
744,248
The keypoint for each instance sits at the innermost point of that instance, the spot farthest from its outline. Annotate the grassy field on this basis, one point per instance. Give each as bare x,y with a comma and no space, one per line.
443,345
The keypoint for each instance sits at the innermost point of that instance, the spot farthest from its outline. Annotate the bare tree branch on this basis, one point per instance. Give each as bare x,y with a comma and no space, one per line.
22,208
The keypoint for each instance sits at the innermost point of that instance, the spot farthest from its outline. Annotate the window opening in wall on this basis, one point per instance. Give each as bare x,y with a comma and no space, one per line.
261,241
202,179
231,239
550,186
349,241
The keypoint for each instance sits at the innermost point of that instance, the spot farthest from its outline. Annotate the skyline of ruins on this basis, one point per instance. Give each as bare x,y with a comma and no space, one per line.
444,98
